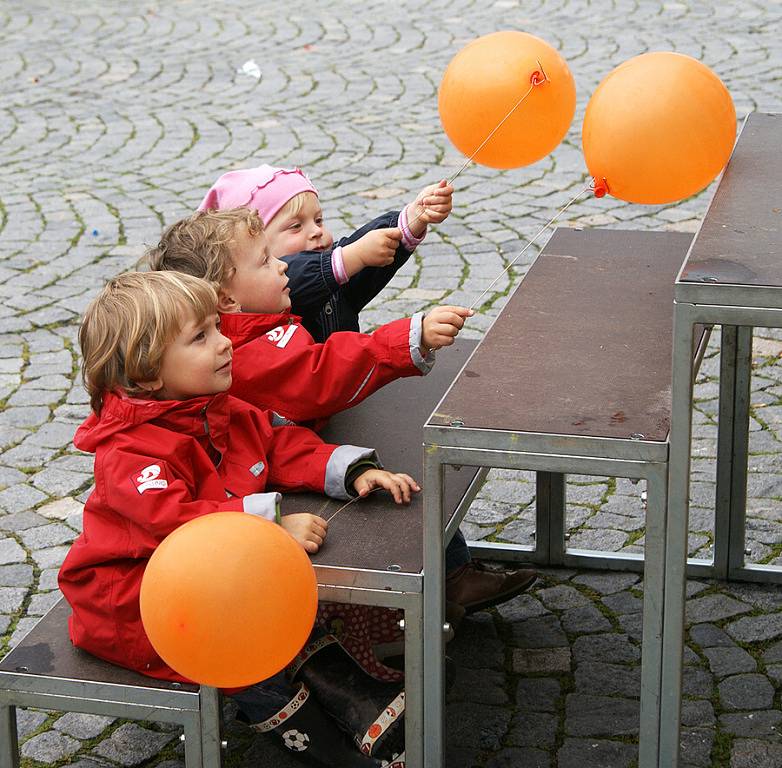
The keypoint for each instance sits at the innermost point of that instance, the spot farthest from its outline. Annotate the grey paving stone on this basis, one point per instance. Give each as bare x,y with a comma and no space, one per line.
729,661
521,608
709,636
600,715
477,645
607,583
596,753
48,535
696,746
477,727
16,575
561,597
697,683
56,482
27,721
49,558
605,679
49,747
20,521
533,729
41,603
538,632
623,602
697,713
513,758
584,620
11,552
480,686
11,599
132,745
82,726
713,608
764,596
750,691
764,724
538,694
541,660
18,498
753,753
614,647
756,628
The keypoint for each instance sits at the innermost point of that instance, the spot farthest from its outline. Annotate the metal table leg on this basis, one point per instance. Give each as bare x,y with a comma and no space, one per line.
9,742
676,536
414,686
550,518
433,610
211,720
654,584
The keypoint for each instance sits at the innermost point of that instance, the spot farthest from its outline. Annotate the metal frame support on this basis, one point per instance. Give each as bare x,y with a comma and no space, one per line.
9,740
550,515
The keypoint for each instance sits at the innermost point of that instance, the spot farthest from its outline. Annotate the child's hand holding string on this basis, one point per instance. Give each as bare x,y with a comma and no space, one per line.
375,249
399,485
432,206
441,326
309,530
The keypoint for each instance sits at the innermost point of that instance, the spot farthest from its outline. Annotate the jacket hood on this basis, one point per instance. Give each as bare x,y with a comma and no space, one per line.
121,413
242,327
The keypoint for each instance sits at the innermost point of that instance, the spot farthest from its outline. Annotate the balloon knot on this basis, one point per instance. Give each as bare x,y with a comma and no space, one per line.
600,187
537,78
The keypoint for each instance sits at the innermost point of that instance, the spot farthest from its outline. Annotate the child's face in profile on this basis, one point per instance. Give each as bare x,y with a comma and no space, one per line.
197,362
303,231
259,282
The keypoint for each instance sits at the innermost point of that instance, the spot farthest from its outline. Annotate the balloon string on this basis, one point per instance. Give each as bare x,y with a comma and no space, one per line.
356,498
526,247
539,77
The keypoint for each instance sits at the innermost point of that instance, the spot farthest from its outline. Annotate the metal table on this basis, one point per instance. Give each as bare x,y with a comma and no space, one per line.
573,377
732,277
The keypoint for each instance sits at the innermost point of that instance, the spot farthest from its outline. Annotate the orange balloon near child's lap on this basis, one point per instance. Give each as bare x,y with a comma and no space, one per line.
658,129
483,82
228,599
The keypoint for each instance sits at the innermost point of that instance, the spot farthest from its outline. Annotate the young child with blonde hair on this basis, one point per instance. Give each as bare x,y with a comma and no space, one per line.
170,445
330,283
278,365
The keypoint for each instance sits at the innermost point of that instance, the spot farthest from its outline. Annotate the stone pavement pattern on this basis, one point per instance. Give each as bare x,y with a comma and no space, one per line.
116,117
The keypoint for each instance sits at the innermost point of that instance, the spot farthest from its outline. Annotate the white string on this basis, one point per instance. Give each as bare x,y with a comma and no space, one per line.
526,247
493,131
356,498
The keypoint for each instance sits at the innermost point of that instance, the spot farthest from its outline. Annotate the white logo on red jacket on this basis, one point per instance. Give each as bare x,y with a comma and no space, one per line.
149,479
281,335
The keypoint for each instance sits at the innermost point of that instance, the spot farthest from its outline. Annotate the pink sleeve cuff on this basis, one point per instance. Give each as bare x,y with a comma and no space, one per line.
409,240
338,266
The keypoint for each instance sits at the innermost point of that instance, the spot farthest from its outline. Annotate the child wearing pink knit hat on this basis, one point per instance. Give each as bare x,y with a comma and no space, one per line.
330,283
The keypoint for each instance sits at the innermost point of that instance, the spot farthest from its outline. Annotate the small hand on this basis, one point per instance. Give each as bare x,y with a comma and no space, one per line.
441,326
375,249
309,530
432,206
400,486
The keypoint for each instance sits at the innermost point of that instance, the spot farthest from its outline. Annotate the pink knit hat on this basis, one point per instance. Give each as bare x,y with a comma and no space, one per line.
265,189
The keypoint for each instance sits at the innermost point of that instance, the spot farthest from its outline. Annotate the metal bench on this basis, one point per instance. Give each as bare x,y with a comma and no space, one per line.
373,556
573,377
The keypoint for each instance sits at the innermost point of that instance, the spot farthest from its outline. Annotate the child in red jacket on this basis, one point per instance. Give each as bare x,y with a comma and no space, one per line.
171,444
277,365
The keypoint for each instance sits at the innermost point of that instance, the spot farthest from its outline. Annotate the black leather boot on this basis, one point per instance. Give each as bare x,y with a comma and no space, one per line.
314,737
370,710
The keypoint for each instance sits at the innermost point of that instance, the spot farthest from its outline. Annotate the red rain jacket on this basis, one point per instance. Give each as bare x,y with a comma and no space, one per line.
155,469
277,364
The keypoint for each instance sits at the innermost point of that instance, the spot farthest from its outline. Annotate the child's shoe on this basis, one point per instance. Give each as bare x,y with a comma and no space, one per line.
474,586
307,731
369,710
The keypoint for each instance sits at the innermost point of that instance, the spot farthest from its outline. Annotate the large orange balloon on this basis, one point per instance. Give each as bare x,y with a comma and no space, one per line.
228,599
485,80
659,128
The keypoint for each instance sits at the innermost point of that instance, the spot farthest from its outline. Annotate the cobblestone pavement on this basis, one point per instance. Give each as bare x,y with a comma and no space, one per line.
115,118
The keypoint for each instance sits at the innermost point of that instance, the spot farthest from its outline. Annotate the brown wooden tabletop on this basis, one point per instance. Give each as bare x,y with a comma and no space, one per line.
583,346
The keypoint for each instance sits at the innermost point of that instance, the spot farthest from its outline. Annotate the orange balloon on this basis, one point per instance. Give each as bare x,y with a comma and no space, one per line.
659,128
486,79
228,599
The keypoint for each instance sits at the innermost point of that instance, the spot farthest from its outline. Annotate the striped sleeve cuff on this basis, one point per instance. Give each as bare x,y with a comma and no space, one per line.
424,364
338,266
265,505
340,461
409,240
